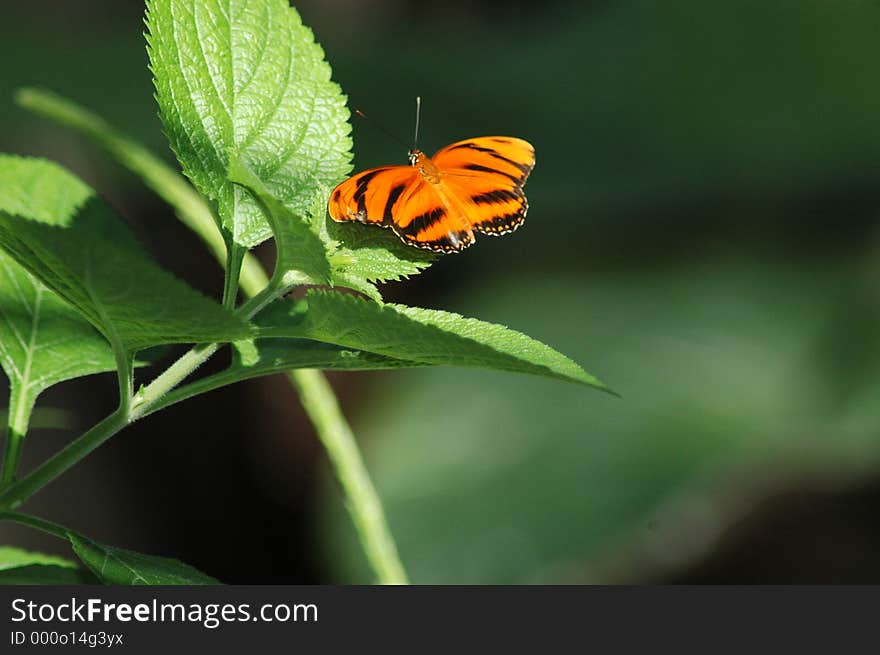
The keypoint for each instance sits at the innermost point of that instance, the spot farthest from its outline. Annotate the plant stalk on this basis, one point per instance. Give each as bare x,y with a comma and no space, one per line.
37,523
363,502
16,493
140,404
125,377
170,378
21,404
232,271
316,394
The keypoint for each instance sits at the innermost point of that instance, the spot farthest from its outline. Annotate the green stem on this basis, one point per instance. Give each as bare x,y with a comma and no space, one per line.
141,403
258,302
21,404
18,492
173,375
363,503
234,258
11,456
125,376
37,523
13,495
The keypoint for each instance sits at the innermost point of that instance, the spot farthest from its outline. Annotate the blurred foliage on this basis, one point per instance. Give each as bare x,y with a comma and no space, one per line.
102,62
725,397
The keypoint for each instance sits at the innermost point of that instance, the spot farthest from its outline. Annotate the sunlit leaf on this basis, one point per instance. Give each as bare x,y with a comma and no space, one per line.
244,79
75,245
22,567
419,335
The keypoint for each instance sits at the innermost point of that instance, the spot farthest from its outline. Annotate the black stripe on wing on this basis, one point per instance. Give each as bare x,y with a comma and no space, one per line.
525,169
422,222
504,222
361,189
393,196
485,169
495,197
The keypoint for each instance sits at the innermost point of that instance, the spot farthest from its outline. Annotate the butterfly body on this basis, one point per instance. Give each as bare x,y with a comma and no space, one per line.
440,202
425,165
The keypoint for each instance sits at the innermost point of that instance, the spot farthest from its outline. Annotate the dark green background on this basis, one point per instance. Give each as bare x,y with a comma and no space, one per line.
702,236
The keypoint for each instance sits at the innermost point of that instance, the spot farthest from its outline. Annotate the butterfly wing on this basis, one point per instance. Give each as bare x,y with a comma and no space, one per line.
399,197
502,156
373,195
425,219
486,175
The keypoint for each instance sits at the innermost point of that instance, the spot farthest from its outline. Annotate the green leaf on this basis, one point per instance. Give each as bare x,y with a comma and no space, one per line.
57,229
377,255
300,252
40,574
125,567
419,335
43,340
244,79
11,557
166,182
21,567
364,254
259,357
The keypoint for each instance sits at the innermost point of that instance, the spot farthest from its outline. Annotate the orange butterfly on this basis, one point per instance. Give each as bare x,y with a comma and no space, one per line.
438,202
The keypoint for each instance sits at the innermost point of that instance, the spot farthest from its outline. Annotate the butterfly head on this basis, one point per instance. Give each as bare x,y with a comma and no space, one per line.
426,167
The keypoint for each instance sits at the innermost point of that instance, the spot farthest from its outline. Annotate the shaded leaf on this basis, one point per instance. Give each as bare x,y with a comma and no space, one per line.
376,254
40,574
126,567
259,357
299,250
364,254
419,335
43,340
75,245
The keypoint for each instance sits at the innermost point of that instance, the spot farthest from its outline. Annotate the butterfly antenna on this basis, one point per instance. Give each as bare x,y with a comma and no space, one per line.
376,125
418,113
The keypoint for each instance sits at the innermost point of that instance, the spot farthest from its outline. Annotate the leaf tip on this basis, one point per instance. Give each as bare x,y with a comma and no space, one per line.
592,381
23,96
